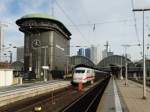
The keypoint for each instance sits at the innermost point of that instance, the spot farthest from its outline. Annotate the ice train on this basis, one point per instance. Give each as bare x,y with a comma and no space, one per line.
87,74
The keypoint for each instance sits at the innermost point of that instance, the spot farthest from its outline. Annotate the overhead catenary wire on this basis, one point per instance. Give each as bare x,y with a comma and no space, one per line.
87,18
147,25
104,22
135,24
81,34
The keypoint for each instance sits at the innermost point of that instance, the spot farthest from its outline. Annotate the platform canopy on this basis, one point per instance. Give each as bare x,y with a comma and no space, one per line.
114,60
81,60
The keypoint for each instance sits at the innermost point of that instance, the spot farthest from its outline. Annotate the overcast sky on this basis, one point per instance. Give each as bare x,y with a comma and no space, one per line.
113,19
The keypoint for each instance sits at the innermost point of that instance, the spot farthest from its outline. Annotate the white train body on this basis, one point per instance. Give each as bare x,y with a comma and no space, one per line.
83,75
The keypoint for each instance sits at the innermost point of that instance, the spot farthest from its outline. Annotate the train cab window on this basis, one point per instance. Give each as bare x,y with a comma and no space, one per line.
88,71
79,71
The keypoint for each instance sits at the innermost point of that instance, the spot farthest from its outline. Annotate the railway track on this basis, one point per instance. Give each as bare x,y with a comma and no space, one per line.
50,102
89,101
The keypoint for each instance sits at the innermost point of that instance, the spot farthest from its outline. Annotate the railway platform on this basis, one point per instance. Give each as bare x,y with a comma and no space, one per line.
121,98
132,95
15,93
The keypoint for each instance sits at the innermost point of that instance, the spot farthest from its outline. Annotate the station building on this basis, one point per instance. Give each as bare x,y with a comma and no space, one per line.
46,43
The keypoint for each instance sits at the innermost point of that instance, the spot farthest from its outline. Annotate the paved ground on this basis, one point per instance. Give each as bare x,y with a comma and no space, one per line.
132,96
120,98
25,85
111,101
107,101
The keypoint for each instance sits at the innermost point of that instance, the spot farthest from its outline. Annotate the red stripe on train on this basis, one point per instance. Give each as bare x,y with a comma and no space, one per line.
88,77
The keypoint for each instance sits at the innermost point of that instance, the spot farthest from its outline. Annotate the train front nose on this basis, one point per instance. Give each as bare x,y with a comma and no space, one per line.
79,78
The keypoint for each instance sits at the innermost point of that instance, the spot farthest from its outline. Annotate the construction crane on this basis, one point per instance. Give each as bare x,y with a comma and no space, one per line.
107,47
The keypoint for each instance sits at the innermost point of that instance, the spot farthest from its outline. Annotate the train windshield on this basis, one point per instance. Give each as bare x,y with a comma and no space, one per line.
79,71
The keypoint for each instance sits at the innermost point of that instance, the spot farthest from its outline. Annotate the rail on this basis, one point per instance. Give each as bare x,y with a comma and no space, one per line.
89,101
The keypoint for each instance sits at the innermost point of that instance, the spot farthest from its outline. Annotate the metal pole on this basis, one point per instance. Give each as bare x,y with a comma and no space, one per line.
36,51
30,67
126,72
67,65
121,69
126,82
144,65
144,72
45,74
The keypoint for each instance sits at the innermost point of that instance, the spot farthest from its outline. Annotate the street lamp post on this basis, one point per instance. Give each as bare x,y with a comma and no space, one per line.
144,65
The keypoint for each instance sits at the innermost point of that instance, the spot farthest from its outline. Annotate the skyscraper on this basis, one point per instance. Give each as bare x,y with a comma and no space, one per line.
99,53
2,25
1,42
81,52
20,54
88,53
94,54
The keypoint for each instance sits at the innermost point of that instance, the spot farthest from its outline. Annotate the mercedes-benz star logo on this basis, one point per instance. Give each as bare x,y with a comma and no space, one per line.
36,43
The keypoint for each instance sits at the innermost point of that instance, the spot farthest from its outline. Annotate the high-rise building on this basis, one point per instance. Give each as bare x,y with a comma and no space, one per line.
99,53
1,42
88,53
94,54
1,38
81,52
20,54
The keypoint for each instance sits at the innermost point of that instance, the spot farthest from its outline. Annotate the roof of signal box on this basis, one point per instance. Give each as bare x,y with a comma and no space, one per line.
41,16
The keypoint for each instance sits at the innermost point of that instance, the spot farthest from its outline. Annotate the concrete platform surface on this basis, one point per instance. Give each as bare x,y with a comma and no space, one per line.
17,93
110,101
132,95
